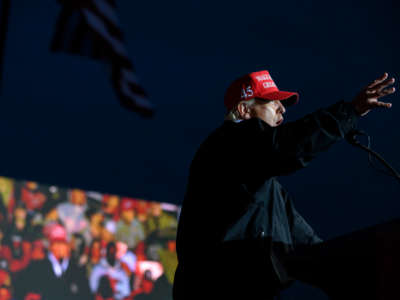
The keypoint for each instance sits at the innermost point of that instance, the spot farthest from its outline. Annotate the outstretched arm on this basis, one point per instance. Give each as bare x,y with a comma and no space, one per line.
294,144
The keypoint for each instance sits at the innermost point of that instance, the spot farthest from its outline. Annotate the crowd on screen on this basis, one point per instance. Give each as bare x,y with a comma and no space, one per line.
71,244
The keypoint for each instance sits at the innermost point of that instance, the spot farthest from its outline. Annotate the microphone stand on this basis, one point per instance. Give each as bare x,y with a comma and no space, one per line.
351,138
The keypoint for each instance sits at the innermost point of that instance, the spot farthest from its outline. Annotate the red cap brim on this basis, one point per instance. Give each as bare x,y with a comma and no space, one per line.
290,98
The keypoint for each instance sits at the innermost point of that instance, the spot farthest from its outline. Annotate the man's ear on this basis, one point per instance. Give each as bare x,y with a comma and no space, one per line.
244,110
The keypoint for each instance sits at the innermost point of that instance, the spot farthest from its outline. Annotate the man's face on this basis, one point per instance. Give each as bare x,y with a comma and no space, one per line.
78,197
112,204
20,213
31,185
52,215
60,249
156,209
128,215
270,112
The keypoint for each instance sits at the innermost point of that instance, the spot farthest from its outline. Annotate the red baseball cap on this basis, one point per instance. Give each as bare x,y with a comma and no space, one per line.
56,233
127,204
257,85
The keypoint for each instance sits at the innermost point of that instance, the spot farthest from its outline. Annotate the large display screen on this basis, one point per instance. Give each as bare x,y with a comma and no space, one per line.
58,243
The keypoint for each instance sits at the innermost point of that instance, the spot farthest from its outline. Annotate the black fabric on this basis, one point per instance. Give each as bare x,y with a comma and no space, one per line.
73,284
237,221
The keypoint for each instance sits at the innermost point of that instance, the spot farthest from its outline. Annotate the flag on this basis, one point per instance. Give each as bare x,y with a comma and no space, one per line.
91,28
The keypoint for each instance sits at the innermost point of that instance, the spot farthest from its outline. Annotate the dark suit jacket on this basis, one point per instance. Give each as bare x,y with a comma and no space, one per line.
73,283
236,219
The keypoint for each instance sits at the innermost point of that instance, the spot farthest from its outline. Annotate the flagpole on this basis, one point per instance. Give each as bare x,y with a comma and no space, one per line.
5,12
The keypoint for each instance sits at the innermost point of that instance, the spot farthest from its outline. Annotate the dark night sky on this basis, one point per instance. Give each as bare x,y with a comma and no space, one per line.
61,123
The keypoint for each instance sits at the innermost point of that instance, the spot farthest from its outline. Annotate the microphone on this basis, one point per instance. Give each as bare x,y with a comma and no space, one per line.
351,136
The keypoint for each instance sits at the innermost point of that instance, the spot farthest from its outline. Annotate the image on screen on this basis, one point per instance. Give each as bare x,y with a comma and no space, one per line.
59,243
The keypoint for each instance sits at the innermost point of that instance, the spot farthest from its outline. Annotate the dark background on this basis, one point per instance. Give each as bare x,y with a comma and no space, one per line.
61,122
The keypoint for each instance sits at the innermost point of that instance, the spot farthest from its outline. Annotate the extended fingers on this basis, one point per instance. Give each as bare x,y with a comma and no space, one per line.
380,93
378,81
384,84
381,104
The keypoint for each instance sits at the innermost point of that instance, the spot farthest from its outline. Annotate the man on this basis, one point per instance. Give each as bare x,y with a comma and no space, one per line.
237,222
129,229
160,224
111,268
57,276
32,196
72,214
110,207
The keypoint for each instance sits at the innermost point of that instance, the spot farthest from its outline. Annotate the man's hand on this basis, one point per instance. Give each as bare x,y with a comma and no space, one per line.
367,99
